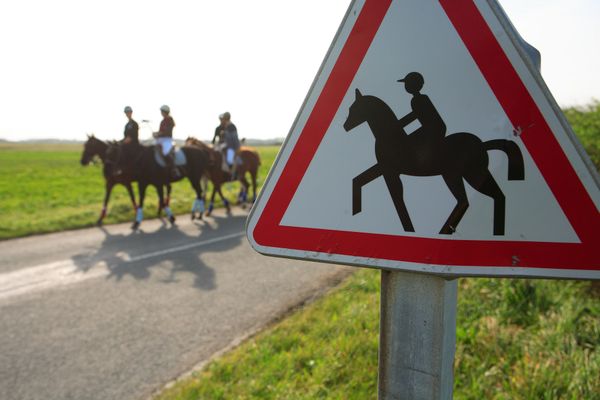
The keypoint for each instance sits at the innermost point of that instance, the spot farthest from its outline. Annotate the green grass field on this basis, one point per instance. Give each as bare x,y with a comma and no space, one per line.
43,188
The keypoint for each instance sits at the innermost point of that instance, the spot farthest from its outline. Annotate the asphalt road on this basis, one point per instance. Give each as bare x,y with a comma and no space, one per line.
114,314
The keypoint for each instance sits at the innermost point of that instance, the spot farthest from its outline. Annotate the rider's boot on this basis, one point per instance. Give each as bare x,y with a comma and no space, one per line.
233,170
171,168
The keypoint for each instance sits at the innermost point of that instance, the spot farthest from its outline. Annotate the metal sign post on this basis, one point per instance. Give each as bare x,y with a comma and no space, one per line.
417,336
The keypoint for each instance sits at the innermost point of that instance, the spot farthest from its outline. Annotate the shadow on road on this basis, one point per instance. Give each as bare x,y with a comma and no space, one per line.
166,254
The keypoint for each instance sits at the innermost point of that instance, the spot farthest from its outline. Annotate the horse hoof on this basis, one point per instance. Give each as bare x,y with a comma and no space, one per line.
193,216
172,220
99,222
208,213
135,226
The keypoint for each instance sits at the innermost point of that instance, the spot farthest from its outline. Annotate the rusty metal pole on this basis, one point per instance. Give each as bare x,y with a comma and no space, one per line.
417,336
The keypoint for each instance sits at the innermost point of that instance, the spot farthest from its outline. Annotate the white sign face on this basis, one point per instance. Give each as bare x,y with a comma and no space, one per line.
429,142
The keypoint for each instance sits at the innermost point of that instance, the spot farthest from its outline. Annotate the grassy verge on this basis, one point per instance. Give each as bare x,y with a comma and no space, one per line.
43,188
585,120
517,339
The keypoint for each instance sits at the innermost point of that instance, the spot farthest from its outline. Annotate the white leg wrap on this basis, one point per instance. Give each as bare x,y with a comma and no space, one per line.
139,215
168,211
198,206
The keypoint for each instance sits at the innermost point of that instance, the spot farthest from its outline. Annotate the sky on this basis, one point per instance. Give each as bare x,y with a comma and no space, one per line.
70,67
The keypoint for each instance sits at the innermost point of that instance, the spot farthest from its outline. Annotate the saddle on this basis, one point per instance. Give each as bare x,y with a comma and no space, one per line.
225,167
180,159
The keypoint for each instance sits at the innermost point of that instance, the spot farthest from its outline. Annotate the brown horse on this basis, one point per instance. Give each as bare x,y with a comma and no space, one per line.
215,172
250,161
141,161
94,147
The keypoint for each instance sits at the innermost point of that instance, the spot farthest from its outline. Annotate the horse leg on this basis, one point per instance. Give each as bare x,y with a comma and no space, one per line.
198,206
394,185
253,174
131,195
204,183
199,201
487,185
168,198
358,182
163,205
211,205
243,196
166,202
109,187
139,215
225,201
457,187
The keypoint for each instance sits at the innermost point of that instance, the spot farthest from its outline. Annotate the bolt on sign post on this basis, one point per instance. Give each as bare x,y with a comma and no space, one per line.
429,147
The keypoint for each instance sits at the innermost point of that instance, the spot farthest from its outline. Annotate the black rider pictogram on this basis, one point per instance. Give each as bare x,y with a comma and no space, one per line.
427,151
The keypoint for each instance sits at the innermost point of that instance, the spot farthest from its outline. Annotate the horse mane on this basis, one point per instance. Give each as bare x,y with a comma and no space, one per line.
94,139
191,140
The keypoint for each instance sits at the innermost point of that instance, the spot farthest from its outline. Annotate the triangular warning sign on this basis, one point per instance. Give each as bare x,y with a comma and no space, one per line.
429,142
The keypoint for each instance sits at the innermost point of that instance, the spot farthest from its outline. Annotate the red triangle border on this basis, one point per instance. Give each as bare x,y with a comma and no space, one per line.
520,108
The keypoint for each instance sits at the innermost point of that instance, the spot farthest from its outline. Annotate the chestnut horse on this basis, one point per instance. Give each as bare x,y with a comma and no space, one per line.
250,161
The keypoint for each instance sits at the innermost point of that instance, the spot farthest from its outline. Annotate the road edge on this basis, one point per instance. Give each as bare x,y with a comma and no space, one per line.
329,284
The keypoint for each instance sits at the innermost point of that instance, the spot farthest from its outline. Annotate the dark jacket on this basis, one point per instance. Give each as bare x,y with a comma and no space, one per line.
131,131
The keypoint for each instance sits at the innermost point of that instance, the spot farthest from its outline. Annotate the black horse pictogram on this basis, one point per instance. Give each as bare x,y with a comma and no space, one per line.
455,157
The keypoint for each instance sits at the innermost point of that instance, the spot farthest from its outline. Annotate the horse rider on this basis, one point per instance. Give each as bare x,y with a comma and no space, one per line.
130,134
164,138
130,137
218,137
232,143
433,129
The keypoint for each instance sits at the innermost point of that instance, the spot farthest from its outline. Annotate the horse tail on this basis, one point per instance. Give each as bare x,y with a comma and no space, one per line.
516,167
257,158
